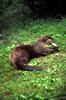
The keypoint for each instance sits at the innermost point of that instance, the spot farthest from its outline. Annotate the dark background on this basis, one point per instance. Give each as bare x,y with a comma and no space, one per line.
46,8
14,11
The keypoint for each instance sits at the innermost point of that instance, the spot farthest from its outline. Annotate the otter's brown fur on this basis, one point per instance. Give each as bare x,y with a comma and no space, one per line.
22,54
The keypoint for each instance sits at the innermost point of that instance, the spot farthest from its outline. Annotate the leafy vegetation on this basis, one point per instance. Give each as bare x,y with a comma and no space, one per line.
44,85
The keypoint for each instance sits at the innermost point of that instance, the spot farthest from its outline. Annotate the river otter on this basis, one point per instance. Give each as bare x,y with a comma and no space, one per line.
22,54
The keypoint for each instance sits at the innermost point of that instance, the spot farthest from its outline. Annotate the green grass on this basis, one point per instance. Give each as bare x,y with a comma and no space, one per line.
44,85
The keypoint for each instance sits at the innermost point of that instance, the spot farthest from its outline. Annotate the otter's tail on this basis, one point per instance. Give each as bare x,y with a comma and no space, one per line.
25,67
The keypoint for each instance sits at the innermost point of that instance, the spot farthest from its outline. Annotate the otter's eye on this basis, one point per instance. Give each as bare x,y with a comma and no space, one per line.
49,41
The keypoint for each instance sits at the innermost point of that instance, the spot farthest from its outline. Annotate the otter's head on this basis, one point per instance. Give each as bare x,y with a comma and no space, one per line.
48,42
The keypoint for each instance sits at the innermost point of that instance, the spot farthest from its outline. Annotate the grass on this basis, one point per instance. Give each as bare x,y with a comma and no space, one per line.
49,84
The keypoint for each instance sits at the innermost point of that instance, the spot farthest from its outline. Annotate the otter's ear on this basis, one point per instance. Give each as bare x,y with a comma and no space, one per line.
42,39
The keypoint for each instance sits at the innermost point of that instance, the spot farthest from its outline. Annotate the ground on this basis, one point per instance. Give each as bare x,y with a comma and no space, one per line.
49,84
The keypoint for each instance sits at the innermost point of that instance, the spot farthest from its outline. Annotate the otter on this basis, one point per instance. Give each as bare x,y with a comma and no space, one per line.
22,54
